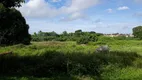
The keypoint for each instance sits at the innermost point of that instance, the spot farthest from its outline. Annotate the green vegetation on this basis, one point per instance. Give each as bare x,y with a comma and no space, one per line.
69,61
49,58
11,3
13,27
137,32
78,36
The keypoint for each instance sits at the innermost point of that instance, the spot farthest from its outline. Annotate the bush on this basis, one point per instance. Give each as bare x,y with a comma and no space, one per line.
87,38
83,40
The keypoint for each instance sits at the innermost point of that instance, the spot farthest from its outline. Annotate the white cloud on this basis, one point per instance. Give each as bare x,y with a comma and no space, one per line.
38,8
78,5
75,16
123,8
109,10
41,8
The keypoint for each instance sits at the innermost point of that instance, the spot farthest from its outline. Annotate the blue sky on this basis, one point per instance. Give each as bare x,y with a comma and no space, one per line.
103,16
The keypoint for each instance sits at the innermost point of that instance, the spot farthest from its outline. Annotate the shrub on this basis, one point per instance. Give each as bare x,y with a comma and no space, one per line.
87,38
83,40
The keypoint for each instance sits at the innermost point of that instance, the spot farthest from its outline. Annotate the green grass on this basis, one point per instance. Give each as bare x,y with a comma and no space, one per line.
127,45
68,61
122,45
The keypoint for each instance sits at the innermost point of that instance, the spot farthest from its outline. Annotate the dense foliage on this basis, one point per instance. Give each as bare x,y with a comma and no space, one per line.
79,36
13,27
11,3
137,32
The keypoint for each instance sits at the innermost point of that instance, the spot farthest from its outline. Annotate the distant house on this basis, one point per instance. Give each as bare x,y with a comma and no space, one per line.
117,34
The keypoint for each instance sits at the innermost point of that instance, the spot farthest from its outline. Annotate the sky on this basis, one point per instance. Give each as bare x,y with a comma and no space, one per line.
102,16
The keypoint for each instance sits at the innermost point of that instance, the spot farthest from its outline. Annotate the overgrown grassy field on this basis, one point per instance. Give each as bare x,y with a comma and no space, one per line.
70,61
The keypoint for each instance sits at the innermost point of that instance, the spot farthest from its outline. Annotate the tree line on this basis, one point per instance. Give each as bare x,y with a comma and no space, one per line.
78,35
81,37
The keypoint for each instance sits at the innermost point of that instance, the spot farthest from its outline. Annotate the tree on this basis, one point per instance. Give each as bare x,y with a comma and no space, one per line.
53,34
40,33
13,27
83,40
35,34
78,33
137,32
87,37
11,3
64,33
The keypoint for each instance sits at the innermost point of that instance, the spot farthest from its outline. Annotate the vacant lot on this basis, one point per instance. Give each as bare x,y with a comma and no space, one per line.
69,61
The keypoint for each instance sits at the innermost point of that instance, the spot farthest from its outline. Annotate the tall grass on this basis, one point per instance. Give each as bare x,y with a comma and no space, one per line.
69,61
